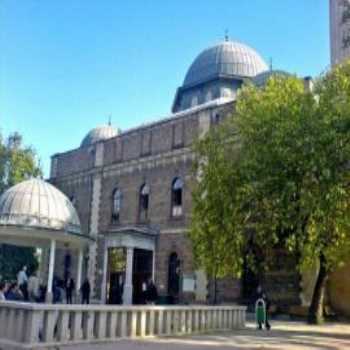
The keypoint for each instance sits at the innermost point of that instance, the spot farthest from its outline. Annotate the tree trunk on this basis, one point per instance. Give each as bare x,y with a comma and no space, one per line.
316,308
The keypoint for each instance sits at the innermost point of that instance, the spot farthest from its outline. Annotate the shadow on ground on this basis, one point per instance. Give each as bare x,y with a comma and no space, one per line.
284,335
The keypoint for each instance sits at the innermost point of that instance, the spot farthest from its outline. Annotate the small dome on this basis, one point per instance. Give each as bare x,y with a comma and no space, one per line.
261,79
100,133
37,204
227,59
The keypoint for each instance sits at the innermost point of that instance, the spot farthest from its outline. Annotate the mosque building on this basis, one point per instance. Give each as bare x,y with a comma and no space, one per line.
119,209
132,190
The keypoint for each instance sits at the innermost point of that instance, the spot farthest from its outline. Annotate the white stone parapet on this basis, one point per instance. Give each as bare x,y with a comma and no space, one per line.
39,326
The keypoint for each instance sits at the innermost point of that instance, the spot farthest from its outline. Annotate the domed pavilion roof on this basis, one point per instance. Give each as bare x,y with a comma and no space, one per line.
99,133
37,204
261,79
227,59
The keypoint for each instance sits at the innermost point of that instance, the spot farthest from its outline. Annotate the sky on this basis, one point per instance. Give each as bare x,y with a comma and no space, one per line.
67,65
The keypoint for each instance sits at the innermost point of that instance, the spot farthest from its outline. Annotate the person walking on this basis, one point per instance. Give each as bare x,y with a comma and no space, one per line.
85,292
70,285
33,288
267,305
261,295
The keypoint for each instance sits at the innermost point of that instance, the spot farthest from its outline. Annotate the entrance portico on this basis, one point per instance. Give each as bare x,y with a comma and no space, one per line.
135,251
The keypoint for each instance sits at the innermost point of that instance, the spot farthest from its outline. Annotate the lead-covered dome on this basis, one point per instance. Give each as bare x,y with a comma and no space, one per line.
261,79
99,133
227,59
37,204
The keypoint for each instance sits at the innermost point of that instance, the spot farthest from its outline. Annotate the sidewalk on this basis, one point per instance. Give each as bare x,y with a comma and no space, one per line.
284,335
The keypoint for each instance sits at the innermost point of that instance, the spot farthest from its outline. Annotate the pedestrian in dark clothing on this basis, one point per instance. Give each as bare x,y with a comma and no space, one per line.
261,295
14,293
267,305
58,291
85,292
70,285
117,294
151,293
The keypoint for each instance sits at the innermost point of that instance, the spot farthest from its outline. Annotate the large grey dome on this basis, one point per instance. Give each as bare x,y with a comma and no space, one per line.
227,59
37,204
100,133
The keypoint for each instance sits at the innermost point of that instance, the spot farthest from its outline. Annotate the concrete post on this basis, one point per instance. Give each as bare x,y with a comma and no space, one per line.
189,321
76,325
143,324
168,324
123,327
151,328
133,330
160,323
112,324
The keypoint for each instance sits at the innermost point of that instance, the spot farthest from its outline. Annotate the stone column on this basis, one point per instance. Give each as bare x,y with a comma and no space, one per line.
154,266
127,295
79,270
94,218
51,270
104,276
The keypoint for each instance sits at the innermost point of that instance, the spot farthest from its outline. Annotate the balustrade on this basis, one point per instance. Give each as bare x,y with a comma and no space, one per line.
32,326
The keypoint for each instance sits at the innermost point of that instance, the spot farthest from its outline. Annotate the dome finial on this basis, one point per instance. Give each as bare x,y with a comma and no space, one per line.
110,119
226,35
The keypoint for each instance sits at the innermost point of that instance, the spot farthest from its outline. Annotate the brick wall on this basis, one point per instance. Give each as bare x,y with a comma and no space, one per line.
154,154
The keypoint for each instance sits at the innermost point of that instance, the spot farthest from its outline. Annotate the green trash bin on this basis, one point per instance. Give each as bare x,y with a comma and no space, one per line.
260,312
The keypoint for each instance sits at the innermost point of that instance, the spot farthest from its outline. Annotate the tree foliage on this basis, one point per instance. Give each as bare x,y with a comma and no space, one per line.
277,172
17,163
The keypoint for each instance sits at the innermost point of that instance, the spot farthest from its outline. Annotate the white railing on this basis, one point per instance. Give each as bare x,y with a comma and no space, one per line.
33,326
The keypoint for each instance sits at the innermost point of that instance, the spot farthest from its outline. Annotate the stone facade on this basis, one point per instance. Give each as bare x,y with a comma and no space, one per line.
155,154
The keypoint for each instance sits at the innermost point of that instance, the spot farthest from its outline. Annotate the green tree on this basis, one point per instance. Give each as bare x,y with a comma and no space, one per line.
218,242
17,163
280,176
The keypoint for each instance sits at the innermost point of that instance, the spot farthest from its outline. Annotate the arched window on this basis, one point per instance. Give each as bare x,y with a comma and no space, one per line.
144,202
116,205
176,197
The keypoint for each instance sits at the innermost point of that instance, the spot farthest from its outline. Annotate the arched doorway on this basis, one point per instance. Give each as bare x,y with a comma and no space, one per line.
174,277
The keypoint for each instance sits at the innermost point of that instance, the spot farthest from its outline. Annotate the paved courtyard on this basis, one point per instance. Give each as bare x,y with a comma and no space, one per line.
284,335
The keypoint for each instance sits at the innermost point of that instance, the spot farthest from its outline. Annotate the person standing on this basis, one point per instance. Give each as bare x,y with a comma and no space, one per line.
22,281
85,292
151,293
14,293
267,305
33,288
261,295
70,285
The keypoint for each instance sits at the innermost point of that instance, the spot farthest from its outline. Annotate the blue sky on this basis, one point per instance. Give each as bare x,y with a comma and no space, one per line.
65,65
